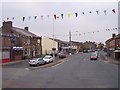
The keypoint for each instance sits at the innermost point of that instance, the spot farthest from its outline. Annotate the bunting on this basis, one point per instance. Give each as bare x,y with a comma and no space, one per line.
90,11
85,33
113,10
69,15
48,16
35,17
56,16
76,14
83,13
62,16
105,12
13,18
23,19
29,17
97,12
7,18
41,17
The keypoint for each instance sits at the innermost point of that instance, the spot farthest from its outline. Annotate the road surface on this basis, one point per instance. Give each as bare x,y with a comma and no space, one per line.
75,71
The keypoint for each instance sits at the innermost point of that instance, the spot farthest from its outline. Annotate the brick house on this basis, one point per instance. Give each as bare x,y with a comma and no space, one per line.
18,44
113,47
89,45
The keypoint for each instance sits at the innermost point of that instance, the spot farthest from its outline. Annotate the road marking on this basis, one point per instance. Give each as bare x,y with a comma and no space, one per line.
58,64
27,69
106,61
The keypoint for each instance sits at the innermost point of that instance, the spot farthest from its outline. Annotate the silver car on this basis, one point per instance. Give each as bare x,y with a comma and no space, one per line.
36,61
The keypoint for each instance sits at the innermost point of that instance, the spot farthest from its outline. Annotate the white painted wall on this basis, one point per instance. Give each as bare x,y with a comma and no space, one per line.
48,44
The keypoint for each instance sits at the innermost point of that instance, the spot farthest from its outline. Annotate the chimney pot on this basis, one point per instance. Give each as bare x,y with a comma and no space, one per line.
113,35
26,28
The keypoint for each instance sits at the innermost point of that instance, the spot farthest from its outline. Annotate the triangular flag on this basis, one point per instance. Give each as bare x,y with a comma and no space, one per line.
83,13
48,16
29,17
23,19
41,17
68,14
7,18
113,10
35,17
90,12
105,12
62,16
55,16
13,18
76,14
97,12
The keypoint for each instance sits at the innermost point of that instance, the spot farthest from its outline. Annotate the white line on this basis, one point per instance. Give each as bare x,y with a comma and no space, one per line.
27,68
58,64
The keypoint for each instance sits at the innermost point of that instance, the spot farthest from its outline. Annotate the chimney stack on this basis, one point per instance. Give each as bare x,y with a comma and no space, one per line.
113,35
26,28
7,24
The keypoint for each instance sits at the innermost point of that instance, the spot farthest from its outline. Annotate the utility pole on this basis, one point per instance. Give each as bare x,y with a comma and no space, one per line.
69,36
53,49
70,42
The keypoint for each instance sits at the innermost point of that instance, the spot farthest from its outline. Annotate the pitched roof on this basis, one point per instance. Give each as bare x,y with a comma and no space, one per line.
117,36
58,40
24,32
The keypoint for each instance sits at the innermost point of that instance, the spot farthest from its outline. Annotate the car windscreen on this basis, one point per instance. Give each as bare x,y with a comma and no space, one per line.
93,55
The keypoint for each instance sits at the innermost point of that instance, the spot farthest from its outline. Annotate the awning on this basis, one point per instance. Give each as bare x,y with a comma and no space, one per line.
117,51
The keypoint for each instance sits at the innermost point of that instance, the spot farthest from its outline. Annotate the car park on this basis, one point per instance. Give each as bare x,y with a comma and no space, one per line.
48,58
36,61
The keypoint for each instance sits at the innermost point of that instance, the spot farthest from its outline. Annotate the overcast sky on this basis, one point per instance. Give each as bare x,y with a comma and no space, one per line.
87,23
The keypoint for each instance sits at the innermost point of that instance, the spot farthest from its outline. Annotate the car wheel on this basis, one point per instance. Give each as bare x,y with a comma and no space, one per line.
37,64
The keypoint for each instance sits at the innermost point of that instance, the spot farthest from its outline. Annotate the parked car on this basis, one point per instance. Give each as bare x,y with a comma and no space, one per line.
61,55
36,61
94,56
52,54
85,51
48,58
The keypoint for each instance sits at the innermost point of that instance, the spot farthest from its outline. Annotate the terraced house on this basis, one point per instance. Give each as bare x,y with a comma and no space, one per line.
113,47
18,44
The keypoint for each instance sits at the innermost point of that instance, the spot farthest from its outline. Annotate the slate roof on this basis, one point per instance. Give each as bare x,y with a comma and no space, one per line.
24,32
58,40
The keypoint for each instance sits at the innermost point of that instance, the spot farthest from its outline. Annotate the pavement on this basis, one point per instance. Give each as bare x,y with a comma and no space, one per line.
14,62
111,60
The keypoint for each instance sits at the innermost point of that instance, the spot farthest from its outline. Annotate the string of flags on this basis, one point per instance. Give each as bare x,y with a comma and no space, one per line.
55,16
85,33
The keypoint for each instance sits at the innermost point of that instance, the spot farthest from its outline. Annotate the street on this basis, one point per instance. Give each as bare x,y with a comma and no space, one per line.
75,71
